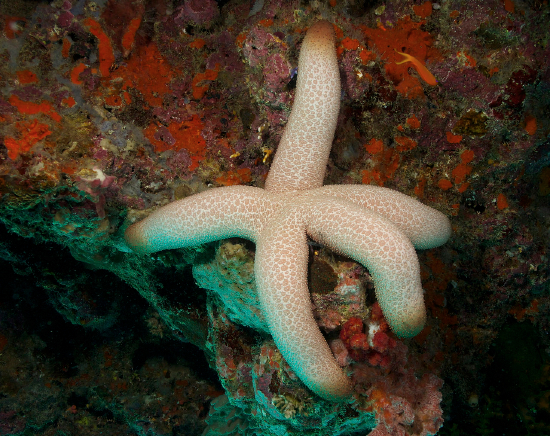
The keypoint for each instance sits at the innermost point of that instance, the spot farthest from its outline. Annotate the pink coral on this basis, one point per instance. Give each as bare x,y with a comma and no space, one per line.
257,46
340,352
408,407
96,183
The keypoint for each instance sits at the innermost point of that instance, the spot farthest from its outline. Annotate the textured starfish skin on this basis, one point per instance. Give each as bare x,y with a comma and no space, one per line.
377,227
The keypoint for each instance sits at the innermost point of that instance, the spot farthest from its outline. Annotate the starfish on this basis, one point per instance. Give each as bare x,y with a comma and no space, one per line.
375,226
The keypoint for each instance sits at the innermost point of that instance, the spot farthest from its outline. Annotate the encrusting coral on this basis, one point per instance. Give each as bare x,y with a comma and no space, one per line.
377,227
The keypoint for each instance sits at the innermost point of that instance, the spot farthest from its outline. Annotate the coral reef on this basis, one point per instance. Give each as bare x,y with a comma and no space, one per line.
112,109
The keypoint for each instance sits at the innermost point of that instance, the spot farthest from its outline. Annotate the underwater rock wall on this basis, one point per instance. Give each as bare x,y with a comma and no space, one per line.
111,109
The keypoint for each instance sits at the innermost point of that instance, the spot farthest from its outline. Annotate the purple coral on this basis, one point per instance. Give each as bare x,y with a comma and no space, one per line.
198,11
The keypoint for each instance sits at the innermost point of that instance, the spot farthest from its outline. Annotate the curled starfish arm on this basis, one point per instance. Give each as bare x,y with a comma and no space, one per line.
424,226
281,279
377,243
233,211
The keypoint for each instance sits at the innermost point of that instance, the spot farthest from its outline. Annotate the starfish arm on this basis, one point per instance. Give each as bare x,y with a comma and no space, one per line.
281,279
233,211
377,243
302,154
424,226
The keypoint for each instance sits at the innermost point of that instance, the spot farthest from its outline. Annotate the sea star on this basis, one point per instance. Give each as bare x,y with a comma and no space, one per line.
377,227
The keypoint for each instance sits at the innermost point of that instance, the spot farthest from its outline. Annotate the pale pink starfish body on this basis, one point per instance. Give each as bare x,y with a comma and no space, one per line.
377,227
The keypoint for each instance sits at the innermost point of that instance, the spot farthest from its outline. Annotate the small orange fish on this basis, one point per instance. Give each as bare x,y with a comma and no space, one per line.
420,68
